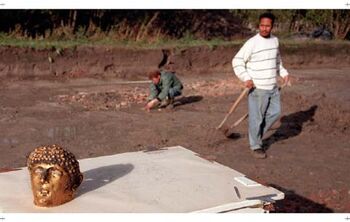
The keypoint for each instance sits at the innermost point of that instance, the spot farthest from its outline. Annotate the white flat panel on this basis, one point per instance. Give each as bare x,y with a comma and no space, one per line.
174,179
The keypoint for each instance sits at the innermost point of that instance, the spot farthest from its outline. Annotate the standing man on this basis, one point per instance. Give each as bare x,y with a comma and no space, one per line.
257,64
164,88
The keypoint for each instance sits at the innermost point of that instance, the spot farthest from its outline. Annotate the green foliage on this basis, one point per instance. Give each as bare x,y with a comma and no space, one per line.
187,41
156,26
319,17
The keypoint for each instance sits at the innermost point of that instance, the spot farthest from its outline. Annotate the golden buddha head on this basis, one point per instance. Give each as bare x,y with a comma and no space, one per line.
54,174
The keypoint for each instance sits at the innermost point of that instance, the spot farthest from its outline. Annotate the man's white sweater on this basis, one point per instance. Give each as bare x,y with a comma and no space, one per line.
259,60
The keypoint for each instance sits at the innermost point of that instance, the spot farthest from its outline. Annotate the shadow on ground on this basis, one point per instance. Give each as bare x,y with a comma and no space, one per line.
294,203
291,125
187,100
233,136
98,177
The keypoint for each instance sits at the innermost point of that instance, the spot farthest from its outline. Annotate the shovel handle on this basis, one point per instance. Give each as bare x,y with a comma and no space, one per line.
234,106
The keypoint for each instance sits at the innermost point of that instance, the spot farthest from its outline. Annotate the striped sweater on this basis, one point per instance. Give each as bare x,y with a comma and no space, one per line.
259,60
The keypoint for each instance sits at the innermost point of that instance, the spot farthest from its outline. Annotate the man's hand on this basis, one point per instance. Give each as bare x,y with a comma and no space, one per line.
151,104
249,84
286,81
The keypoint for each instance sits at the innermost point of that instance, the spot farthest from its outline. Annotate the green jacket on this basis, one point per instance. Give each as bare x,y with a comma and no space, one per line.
167,81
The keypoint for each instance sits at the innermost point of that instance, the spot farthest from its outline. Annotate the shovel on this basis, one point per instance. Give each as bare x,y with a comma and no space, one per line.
213,133
233,108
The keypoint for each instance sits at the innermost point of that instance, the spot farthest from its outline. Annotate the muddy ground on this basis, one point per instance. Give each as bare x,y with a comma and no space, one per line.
80,101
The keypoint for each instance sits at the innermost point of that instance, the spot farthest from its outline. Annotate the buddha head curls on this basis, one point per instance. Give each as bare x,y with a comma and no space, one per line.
55,175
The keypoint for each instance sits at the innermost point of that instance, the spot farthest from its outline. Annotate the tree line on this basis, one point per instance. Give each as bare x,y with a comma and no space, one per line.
151,25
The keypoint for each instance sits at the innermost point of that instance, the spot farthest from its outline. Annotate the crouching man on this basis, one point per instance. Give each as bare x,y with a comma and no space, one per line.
164,88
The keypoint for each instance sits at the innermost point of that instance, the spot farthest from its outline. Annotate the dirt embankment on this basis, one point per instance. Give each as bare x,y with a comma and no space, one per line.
101,62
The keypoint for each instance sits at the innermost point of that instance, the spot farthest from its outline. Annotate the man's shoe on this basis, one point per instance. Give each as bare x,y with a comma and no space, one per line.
171,104
259,153
166,102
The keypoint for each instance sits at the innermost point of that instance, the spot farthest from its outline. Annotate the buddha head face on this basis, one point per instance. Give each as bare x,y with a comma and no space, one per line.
55,175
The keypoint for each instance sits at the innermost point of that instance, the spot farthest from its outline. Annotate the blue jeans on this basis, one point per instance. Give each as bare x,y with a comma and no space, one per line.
173,92
264,109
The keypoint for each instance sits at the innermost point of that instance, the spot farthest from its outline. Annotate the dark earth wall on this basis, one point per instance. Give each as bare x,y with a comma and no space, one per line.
132,64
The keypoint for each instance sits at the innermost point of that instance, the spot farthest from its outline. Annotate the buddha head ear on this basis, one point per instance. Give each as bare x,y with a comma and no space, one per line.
81,177
78,181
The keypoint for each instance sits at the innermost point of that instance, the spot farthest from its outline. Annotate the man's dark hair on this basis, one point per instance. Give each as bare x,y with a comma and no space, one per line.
267,15
153,74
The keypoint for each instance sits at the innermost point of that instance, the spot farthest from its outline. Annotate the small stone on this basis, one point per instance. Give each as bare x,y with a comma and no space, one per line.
335,192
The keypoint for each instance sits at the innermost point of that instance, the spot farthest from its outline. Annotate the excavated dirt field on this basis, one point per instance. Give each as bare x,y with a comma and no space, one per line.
78,99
